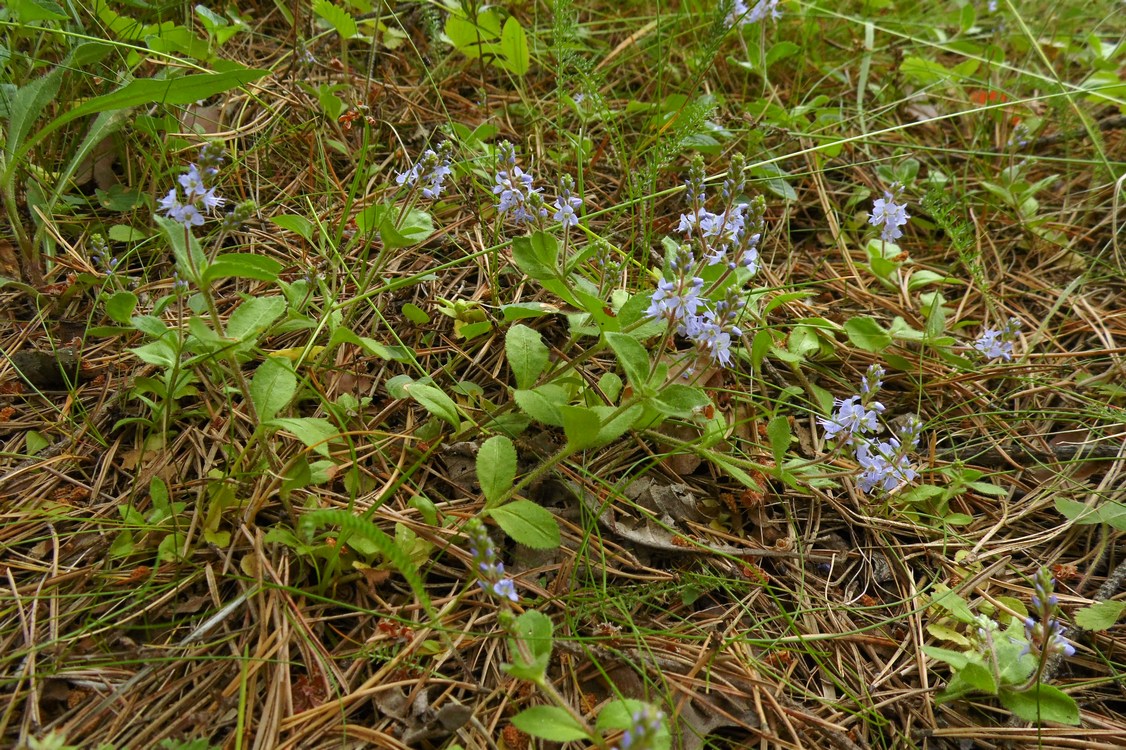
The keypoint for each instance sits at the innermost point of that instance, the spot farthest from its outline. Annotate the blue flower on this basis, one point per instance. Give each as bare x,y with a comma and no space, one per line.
567,204
432,169
885,465
851,418
677,300
647,723
742,15
196,194
891,215
872,380
490,570
996,343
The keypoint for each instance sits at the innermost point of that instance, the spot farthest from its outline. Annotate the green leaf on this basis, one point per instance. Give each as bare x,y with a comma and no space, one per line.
170,92
527,355
1109,512
496,467
528,524
415,314
159,353
522,310
272,388
364,527
1099,616
949,600
542,403
533,630
338,18
120,306
185,248
298,224
616,426
1042,703
632,356
537,256
125,233
514,47
776,180
550,723
35,442
26,11
254,316
243,266
435,401
470,36
972,678
581,425
867,334
415,228
314,432
778,432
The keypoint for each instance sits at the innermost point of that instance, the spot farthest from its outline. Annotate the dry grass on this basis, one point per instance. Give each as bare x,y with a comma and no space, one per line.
810,636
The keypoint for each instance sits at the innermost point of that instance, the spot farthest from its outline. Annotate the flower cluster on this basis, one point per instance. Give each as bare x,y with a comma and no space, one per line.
490,570
186,209
567,203
647,723
730,237
892,215
517,197
884,464
727,239
431,171
100,254
514,191
741,14
994,342
1045,634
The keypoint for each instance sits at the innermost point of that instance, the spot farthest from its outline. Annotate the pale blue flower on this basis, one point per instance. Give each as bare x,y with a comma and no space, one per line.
742,14
884,465
676,301
851,418
891,215
646,726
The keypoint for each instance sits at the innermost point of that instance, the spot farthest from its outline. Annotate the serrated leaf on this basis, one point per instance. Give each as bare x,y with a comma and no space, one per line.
542,404
550,723
528,523
272,388
867,334
1099,616
496,467
581,425
435,401
338,18
253,317
527,355
778,432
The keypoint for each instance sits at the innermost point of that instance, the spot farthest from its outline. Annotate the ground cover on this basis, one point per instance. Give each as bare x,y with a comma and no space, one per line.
540,374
